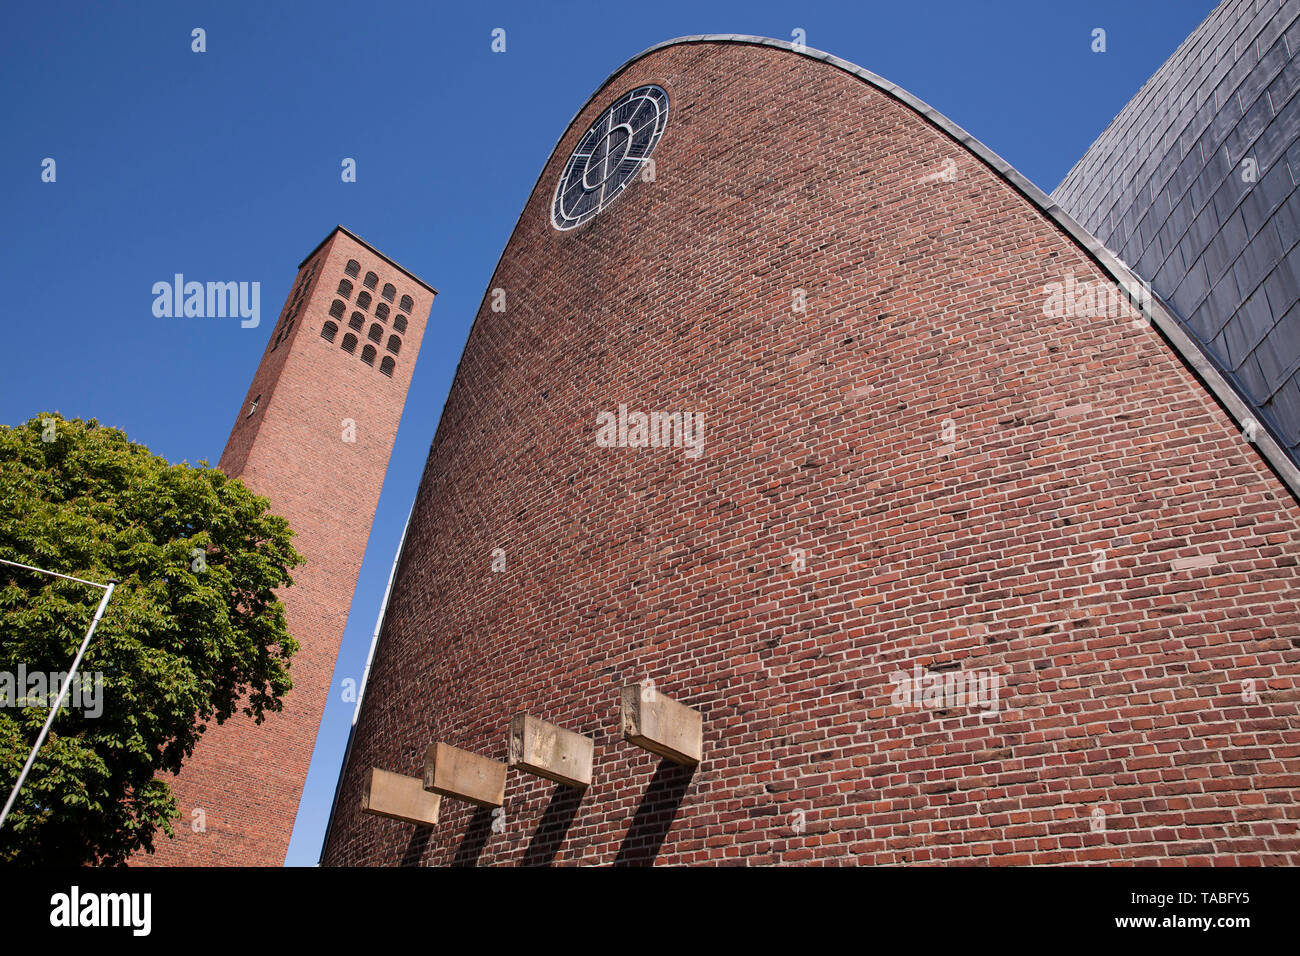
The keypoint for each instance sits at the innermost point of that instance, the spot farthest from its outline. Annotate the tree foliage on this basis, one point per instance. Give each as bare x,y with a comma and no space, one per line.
193,633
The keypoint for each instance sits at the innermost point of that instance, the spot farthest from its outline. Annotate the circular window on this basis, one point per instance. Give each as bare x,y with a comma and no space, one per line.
609,156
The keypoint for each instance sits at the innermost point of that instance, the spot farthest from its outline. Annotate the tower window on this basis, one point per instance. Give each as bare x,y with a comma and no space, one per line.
336,308
368,355
252,406
349,343
399,323
363,300
394,344
386,366
390,290
345,288
357,321
328,331
376,333
353,268
407,303
381,312
371,280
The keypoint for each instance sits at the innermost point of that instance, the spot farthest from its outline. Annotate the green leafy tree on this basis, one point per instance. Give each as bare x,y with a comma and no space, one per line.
193,632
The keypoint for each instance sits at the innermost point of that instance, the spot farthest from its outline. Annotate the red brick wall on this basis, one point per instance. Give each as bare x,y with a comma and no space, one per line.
1043,543
247,778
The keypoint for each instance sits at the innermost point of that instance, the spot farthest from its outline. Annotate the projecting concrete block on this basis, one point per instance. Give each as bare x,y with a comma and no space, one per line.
662,726
458,773
399,797
550,751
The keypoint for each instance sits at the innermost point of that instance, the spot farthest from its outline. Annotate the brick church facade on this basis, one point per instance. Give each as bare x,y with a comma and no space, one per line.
922,459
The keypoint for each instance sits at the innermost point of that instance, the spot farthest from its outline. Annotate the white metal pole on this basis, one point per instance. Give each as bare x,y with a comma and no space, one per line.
81,652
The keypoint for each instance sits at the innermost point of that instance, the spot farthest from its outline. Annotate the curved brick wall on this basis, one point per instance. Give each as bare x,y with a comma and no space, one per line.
1089,527
1164,186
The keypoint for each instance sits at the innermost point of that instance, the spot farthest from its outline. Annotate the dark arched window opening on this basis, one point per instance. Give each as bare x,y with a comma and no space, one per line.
353,268
371,280
368,355
376,333
399,323
363,300
390,290
386,366
345,288
349,343
381,312
357,321
394,344
336,308
407,303
328,331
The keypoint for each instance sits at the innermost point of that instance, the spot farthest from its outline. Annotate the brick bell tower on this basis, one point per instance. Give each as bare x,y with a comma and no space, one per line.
313,435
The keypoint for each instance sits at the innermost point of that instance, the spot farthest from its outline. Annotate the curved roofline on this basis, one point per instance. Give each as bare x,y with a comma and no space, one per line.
1140,293
1145,299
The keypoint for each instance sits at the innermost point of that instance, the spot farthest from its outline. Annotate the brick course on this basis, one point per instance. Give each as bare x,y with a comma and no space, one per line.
836,530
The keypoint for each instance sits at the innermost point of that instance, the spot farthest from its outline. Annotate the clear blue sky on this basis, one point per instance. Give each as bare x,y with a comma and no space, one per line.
225,166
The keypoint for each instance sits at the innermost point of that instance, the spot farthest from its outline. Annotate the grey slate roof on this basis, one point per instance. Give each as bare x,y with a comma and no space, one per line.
1166,188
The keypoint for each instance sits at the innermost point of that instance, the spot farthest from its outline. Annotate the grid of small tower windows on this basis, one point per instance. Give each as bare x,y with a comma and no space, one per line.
358,320
294,305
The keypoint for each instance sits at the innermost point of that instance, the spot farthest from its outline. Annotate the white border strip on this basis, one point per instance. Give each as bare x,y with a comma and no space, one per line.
365,676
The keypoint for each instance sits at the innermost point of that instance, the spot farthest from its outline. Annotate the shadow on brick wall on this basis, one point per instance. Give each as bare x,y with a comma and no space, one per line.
655,816
554,826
